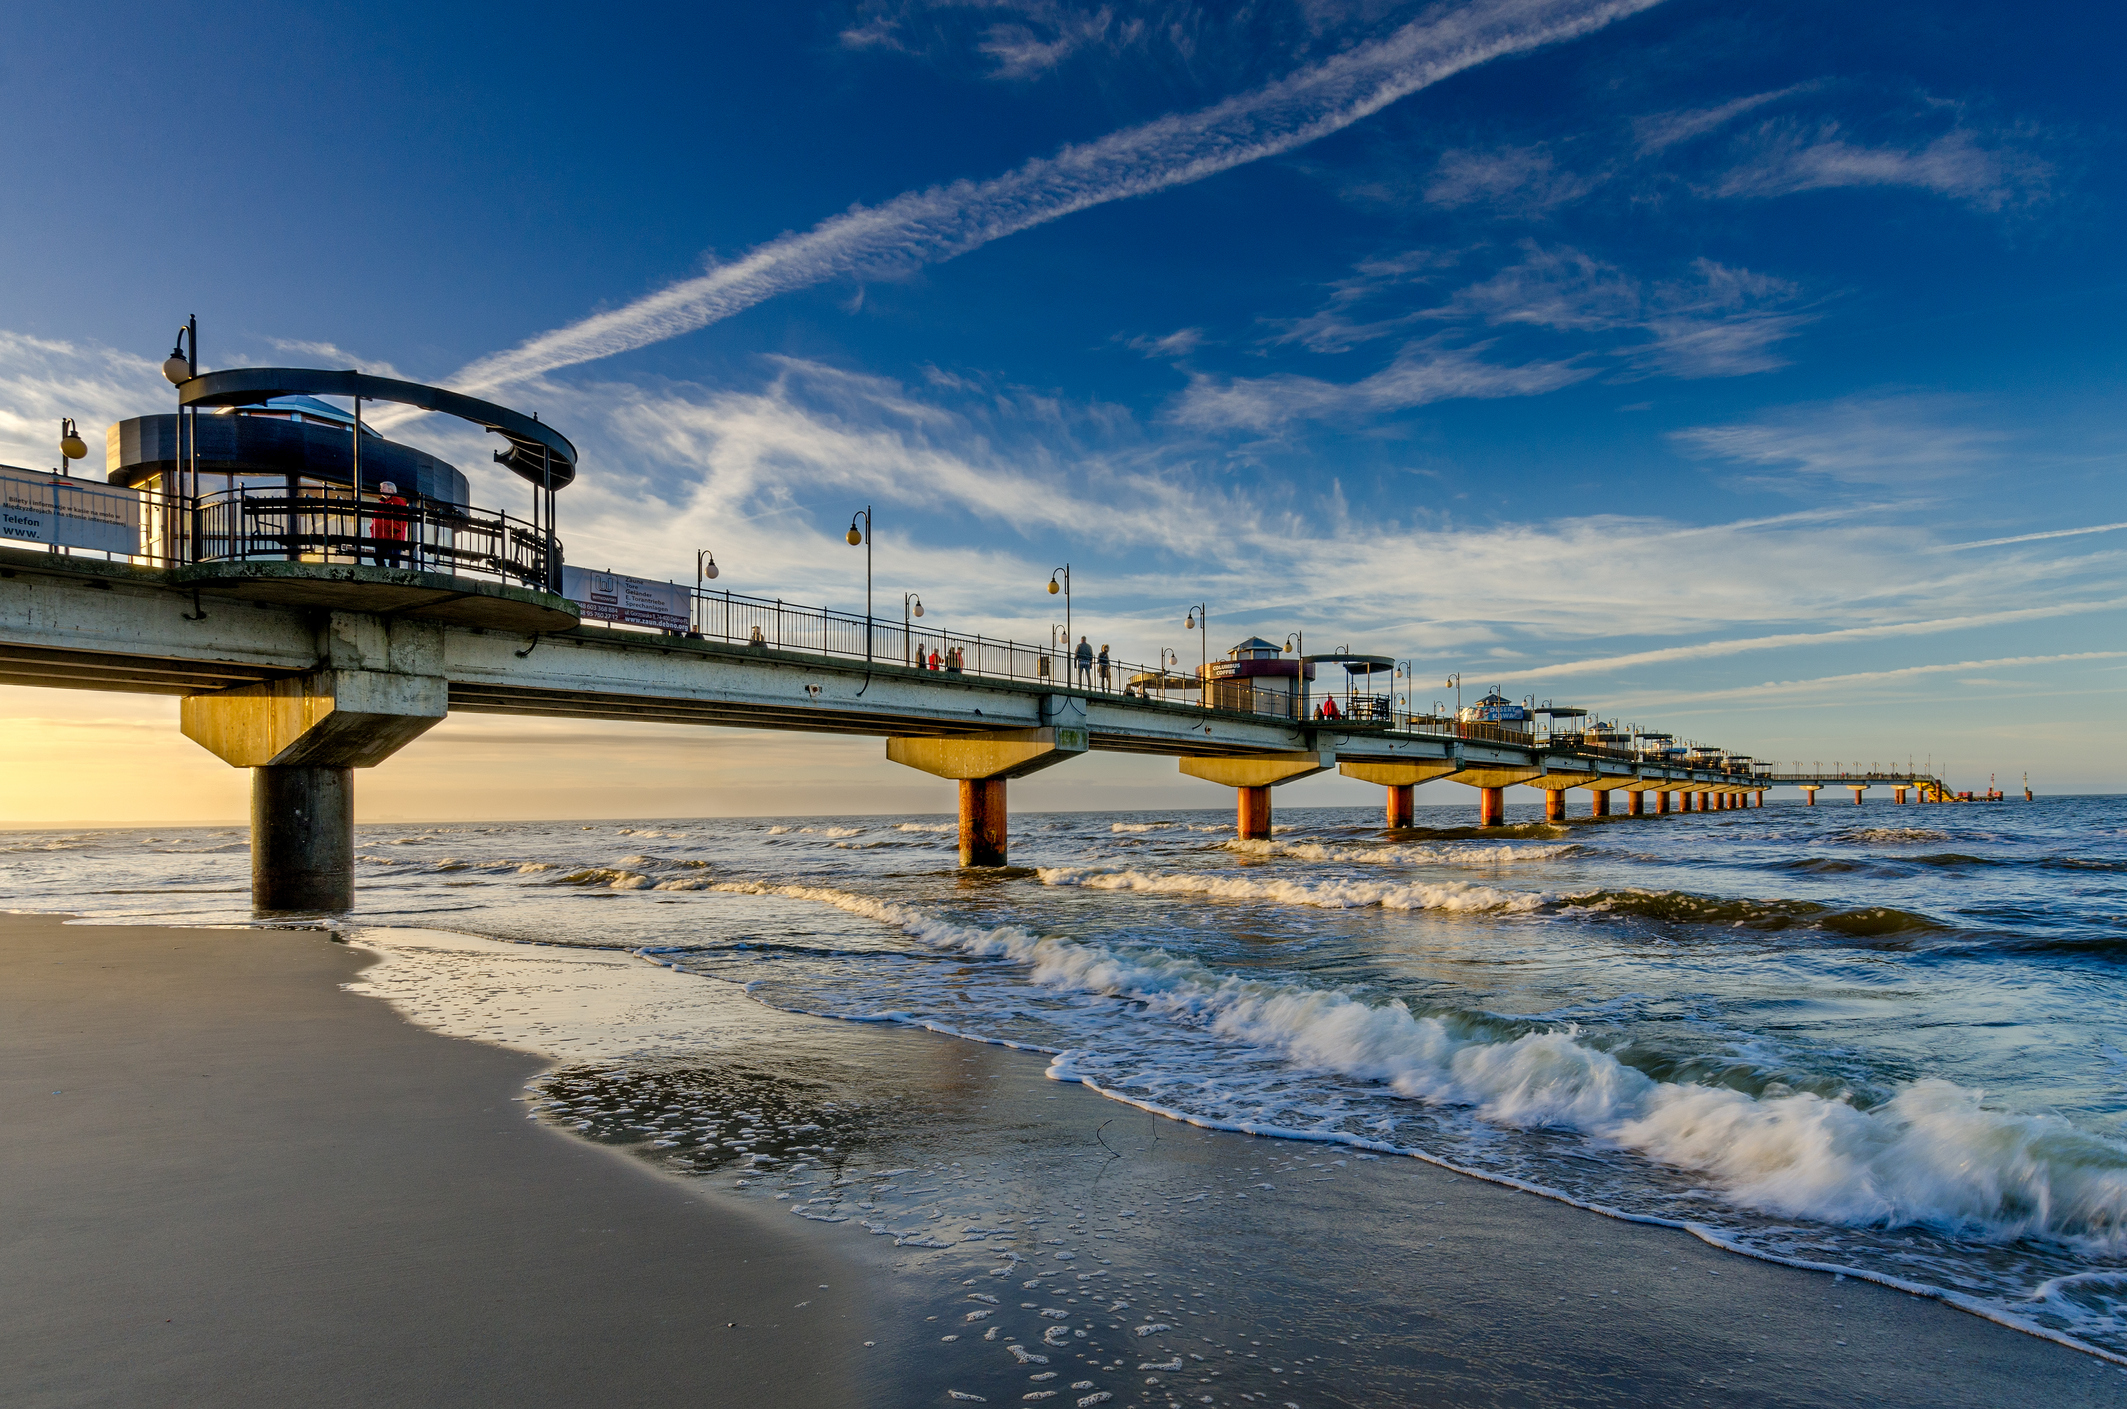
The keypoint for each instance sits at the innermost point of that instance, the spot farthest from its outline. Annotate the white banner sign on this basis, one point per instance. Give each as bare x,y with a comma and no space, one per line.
634,601
71,513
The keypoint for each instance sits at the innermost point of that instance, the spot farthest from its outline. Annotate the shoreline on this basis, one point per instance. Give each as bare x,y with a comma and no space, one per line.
1465,1293
1035,1110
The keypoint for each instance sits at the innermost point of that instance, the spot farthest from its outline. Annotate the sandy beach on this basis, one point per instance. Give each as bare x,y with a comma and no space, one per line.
228,1182
232,1182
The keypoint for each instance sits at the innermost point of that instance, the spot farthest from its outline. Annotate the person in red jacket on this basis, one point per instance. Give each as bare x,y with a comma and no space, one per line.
388,529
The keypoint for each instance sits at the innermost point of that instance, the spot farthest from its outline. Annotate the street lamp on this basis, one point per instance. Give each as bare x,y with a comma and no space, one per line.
1065,570
71,445
1199,620
1455,683
1296,642
864,537
906,612
183,362
181,366
1405,669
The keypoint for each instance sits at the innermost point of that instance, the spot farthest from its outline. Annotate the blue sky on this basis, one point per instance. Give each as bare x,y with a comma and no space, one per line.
1663,358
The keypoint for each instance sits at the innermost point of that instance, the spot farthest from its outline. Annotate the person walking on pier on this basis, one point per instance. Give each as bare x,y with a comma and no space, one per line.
1084,657
1104,665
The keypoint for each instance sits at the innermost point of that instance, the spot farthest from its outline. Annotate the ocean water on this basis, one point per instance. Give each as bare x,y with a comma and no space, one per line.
1891,1040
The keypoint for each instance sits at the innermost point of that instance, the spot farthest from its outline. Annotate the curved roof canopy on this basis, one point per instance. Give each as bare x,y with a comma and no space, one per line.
1353,664
537,452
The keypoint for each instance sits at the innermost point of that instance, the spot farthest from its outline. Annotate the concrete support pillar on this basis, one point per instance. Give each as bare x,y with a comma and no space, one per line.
1491,807
982,763
1857,792
1401,801
302,838
1758,798
1898,796
984,822
1661,802
379,687
1636,804
1809,795
1602,803
1252,812
1554,804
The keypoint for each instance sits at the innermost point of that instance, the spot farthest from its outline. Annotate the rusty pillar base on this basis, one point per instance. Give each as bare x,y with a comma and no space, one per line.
1400,803
1602,803
1254,813
983,822
1636,806
1554,804
1491,807
1661,803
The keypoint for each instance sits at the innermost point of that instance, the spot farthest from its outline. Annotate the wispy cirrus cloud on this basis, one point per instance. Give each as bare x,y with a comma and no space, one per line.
1659,131
2036,537
1791,640
1843,685
1507,181
926,227
1788,158
1714,321
1425,371
1902,440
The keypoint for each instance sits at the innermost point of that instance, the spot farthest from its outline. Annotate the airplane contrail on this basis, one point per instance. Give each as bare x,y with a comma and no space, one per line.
926,227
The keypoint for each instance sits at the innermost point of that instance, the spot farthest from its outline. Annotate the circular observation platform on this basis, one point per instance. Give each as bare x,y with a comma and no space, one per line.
275,496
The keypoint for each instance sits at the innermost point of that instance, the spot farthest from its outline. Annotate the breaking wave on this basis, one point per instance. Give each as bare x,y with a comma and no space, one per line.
1932,1156
1403,855
1335,895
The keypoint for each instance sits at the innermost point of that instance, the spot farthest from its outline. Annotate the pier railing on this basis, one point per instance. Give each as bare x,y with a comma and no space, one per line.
253,524
774,624
453,539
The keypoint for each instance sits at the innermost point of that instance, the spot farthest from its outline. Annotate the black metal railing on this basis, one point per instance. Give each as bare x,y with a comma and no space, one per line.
456,540
270,525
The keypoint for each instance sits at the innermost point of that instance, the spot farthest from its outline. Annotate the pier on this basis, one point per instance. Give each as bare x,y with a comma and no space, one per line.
314,622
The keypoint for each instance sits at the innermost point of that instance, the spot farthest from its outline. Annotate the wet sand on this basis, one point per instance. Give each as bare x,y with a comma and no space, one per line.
227,1182
347,1209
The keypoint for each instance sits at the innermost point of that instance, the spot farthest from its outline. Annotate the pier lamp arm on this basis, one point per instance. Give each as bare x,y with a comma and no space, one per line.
1063,572
864,537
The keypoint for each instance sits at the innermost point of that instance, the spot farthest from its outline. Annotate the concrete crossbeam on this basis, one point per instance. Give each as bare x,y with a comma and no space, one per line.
1012,753
1262,771
325,719
1397,774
